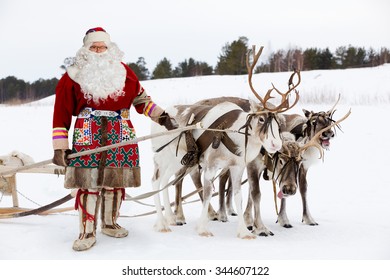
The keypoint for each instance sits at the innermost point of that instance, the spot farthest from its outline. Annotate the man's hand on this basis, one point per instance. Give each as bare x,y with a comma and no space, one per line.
167,121
60,157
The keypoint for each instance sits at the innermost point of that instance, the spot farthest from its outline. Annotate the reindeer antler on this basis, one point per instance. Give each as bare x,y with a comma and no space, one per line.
284,104
250,68
313,141
334,106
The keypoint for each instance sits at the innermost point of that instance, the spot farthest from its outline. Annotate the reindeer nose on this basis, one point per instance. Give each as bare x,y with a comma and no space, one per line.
276,145
328,134
289,189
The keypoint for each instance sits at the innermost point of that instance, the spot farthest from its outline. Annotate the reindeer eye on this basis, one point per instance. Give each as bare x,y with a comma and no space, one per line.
261,119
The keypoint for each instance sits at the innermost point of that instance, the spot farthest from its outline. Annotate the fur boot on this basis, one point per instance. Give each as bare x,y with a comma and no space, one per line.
87,203
111,203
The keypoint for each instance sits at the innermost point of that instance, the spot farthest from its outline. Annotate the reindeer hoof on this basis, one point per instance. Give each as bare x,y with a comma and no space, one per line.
250,228
266,234
247,236
313,224
287,226
180,223
164,230
206,234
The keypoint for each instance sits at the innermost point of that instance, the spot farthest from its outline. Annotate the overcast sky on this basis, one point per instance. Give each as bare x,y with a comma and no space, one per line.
37,35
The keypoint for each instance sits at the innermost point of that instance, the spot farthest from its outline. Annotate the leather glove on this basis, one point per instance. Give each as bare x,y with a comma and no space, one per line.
60,157
167,121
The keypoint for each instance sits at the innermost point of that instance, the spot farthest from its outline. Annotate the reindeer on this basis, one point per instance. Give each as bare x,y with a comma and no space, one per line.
289,167
233,151
293,126
213,159
309,128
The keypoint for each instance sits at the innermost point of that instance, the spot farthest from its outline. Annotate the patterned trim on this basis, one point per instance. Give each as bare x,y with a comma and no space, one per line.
60,133
83,135
87,113
149,108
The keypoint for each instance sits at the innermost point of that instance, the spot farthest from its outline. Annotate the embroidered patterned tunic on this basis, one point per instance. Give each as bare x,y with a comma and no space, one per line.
100,124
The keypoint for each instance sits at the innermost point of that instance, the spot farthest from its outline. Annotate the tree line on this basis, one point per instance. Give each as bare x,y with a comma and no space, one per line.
231,61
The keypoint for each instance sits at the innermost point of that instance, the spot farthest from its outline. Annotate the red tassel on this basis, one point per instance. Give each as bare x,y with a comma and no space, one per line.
78,204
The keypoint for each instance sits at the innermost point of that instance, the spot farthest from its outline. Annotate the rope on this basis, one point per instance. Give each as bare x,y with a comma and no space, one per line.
29,199
275,199
172,204
174,181
79,203
102,149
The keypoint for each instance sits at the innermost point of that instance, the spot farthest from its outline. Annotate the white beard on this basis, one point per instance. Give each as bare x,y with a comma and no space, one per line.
100,75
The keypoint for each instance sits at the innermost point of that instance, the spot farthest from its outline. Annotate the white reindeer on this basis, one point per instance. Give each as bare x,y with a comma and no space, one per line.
261,130
260,126
291,165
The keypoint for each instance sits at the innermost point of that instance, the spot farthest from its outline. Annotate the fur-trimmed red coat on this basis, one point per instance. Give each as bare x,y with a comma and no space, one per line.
116,167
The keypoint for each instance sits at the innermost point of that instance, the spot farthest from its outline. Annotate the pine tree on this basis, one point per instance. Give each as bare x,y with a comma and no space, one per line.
232,61
163,69
140,69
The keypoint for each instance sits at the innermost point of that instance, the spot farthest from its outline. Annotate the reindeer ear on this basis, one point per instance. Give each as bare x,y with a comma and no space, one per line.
306,113
330,113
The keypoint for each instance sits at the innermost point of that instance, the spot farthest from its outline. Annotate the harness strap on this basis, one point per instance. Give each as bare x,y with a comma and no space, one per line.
223,122
197,116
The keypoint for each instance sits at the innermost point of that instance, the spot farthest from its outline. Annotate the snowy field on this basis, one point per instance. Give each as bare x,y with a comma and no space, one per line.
348,193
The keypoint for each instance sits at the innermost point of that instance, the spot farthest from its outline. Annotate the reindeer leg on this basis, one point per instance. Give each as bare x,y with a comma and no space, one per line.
222,216
180,218
229,200
248,217
161,224
202,228
235,177
169,215
282,216
306,217
255,193
196,179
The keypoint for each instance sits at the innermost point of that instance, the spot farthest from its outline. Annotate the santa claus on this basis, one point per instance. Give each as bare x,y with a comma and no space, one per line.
99,89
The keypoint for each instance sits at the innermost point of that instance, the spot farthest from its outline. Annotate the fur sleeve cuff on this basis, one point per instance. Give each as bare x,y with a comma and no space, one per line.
156,113
60,138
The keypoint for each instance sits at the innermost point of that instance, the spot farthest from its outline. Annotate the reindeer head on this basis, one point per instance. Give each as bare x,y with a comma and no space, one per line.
286,164
266,112
265,125
288,160
316,122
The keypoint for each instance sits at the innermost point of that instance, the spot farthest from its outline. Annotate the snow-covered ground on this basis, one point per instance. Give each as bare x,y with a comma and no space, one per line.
348,192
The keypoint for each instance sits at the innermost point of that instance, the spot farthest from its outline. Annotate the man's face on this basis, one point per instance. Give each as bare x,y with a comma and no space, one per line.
98,47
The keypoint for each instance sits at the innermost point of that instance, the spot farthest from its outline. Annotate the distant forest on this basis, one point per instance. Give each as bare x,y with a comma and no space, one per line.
231,61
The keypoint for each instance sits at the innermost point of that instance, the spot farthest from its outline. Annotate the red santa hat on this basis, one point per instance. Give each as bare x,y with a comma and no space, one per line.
96,34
